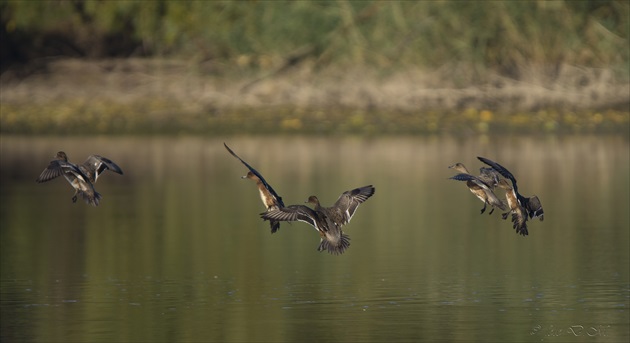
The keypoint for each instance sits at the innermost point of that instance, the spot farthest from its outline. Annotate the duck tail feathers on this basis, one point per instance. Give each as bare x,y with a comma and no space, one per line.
335,248
275,225
92,199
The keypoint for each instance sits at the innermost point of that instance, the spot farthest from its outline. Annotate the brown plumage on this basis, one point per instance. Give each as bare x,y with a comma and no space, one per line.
95,165
532,205
268,195
328,221
73,174
481,186
519,214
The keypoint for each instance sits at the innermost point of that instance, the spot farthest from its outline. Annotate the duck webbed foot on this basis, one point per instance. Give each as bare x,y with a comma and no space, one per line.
484,208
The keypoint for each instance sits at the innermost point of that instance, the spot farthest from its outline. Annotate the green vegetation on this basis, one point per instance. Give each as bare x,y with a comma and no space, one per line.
577,48
501,36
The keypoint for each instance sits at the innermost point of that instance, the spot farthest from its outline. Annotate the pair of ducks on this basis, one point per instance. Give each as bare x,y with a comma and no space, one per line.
81,177
328,221
482,186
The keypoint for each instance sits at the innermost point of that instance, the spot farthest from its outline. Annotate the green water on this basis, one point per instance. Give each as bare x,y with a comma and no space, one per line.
176,251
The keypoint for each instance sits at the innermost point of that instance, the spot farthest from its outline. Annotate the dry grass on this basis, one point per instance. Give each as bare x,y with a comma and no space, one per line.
134,95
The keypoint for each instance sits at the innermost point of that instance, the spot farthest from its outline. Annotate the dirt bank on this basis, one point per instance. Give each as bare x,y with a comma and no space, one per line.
174,93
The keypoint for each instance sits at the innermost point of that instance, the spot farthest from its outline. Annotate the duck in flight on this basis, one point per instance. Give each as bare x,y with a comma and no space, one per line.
95,165
81,177
519,214
268,195
481,186
328,221
532,206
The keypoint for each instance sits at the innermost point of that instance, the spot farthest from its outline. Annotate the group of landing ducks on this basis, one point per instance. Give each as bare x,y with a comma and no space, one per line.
328,221
482,186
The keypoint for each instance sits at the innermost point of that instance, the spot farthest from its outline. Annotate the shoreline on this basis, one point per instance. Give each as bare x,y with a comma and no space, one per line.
165,96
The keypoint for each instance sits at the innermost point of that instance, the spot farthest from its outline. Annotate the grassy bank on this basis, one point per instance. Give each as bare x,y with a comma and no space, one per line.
149,96
314,67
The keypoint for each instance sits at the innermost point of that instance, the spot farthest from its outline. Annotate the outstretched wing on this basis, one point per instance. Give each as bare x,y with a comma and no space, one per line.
501,170
57,168
467,177
489,176
255,172
98,164
52,171
294,213
506,174
492,199
349,201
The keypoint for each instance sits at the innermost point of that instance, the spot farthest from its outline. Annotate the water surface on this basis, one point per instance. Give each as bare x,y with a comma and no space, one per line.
176,250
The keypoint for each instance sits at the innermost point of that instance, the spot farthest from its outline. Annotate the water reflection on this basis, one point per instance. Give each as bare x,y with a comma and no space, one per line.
177,252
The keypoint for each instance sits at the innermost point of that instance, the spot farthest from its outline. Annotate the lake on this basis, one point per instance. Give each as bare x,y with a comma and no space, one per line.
177,252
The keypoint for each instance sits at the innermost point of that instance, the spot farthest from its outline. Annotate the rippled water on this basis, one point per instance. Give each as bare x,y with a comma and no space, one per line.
177,252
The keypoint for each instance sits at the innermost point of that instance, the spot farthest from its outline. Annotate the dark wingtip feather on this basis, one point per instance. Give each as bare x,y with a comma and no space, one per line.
229,150
255,172
462,177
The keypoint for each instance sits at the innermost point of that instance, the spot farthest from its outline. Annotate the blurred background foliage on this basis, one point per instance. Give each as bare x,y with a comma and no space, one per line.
405,66
499,35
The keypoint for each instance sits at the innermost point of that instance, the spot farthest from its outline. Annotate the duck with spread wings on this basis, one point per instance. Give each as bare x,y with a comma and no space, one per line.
268,195
328,221
532,205
81,177
481,186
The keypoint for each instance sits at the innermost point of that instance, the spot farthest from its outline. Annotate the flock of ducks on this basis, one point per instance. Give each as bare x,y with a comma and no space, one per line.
482,186
328,221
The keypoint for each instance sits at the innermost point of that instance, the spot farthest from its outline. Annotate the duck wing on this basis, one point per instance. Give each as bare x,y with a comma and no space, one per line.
468,177
57,168
349,201
294,213
487,189
501,170
255,172
535,209
95,165
489,176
